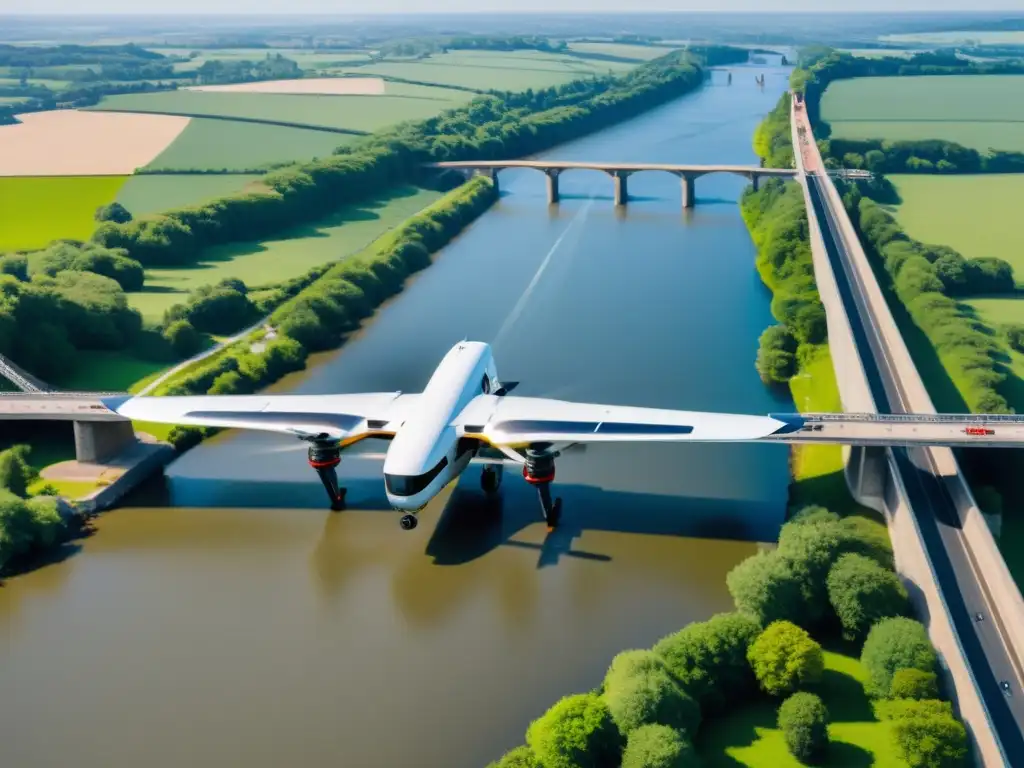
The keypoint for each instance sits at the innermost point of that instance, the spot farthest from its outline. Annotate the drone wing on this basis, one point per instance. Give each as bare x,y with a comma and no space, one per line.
349,417
515,422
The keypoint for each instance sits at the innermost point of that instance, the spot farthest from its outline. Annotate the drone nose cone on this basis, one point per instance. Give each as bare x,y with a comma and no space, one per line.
115,403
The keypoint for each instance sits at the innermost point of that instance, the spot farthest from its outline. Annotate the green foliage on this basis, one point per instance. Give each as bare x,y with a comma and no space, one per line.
776,354
520,757
1014,336
709,659
785,658
27,526
926,734
862,592
14,264
88,257
639,691
15,472
766,587
914,684
577,732
892,644
803,720
114,212
773,141
184,339
220,309
658,746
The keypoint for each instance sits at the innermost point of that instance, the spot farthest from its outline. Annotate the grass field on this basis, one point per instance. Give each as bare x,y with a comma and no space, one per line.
290,255
979,111
232,145
622,50
976,215
360,113
36,210
154,194
304,58
107,371
749,737
323,86
958,37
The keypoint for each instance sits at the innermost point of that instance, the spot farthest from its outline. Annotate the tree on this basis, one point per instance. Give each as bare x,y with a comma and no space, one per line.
767,588
184,339
803,720
114,212
639,690
874,160
658,746
776,358
928,736
862,592
520,757
892,644
577,732
14,471
914,684
785,658
709,659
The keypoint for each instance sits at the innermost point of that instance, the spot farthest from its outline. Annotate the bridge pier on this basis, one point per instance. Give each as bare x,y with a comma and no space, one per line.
491,173
755,181
552,186
867,469
98,441
621,187
689,196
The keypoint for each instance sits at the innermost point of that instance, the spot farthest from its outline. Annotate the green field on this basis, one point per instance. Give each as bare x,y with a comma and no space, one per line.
749,737
360,113
107,371
233,145
304,58
958,38
155,194
979,111
287,256
622,50
483,70
35,210
976,215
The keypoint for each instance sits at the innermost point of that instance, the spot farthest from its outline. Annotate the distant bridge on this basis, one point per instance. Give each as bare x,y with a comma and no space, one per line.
618,171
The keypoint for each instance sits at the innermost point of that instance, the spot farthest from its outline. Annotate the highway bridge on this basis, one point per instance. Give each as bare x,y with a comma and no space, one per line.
619,173
958,579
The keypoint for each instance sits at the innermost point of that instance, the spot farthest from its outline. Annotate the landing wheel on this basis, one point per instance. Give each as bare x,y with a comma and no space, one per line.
490,479
408,522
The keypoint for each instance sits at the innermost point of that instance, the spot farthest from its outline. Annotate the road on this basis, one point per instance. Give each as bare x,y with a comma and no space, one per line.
958,576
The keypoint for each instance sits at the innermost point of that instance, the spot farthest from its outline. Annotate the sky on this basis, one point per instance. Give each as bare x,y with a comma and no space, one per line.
188,7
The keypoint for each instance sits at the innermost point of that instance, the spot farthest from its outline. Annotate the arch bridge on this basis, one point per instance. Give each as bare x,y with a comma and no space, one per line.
619,173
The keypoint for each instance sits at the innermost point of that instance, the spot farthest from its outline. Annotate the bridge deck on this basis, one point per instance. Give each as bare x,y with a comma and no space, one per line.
958,430
569,164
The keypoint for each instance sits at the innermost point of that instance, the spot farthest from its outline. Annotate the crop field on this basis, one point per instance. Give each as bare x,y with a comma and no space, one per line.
208,144
284,257
304,58
974,214
484,70
359,113
149,193
979,111
325,86
622,50
68,142
35,210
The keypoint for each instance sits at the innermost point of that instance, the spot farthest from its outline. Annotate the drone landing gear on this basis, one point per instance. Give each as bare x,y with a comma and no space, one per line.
324,457
490,478
408,522
540,473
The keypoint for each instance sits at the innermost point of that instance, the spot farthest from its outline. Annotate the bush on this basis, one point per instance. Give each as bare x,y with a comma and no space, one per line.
914,684
803,720
577,732
520,757
184,339
776,358
785,658
114,212
15,472
892,644
658,746
928,736
26,526
862,592
639,691
766,587
709,659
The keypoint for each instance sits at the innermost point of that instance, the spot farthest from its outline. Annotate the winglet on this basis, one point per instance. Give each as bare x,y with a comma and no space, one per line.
114,403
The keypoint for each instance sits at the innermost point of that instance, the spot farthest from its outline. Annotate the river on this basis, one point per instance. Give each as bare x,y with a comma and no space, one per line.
230,620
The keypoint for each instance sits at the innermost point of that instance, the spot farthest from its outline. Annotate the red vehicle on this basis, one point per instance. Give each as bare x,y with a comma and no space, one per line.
979,431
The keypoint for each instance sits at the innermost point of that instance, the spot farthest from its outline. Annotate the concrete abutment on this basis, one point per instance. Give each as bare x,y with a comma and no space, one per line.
98,441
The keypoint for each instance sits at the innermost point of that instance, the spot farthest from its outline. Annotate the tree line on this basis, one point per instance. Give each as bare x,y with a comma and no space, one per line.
830,578
486,128
27,525
324,309
917,156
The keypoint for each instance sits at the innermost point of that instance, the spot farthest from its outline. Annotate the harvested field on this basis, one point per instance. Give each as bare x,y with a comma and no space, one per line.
980,111
354,113
36,210
150,193
70,142
324,86
232,145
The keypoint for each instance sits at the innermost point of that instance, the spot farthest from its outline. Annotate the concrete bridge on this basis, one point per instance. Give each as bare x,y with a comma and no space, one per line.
619,172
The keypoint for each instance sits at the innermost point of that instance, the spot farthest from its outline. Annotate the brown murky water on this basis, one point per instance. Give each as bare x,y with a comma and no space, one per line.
227,619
